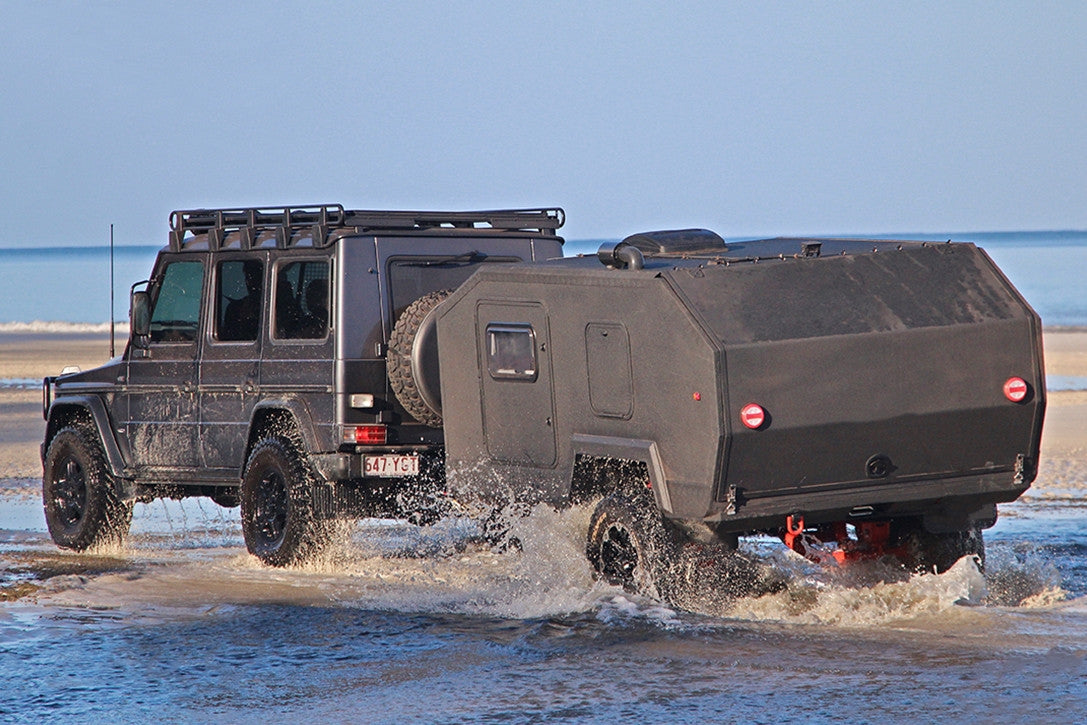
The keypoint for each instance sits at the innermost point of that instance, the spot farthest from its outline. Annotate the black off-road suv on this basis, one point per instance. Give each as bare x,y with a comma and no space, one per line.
259,371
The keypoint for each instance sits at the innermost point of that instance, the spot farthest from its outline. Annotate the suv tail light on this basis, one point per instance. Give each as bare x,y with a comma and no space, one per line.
373,434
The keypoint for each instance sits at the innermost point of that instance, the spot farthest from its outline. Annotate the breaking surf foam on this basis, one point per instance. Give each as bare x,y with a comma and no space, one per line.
46,327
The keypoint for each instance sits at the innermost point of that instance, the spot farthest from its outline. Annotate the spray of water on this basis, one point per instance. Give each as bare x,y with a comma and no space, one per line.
186,553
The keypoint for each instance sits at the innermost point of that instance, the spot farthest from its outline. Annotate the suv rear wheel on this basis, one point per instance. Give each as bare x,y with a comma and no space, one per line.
82,509
279,523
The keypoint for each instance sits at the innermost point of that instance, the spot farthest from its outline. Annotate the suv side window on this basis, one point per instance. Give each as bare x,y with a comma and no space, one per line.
176,317
239,299
302,301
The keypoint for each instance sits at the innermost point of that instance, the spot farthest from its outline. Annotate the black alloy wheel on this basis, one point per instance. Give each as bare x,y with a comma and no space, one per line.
82,509
629,545
279,522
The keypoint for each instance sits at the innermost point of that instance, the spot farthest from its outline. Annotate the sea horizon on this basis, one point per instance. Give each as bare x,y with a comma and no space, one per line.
1046,266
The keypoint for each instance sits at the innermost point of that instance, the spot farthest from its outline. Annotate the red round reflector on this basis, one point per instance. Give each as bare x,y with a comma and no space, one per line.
752,416
1016,389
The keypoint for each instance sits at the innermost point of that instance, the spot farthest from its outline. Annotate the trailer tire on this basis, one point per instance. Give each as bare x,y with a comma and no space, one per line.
630,545
412,360
938,552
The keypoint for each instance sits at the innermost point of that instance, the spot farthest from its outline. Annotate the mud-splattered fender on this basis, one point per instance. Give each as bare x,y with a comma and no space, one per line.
275,412
67,410
643,451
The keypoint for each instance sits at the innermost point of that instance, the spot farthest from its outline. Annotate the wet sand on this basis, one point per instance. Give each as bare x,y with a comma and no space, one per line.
1065,432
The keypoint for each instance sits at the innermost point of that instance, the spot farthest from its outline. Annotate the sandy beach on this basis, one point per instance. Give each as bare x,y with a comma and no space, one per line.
26,357
30,356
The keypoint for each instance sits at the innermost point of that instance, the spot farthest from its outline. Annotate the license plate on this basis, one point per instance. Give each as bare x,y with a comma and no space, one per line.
391,466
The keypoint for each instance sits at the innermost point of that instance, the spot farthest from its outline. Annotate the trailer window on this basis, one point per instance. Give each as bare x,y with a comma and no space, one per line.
511,352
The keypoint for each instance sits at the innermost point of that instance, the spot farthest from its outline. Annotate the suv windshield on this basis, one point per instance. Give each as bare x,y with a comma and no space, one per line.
177,309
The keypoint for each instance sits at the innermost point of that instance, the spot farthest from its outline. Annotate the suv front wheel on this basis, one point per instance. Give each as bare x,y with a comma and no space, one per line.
278,518
82,508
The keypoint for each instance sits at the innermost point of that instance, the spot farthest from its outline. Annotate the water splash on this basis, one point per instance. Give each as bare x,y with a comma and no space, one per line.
189,555
1022,576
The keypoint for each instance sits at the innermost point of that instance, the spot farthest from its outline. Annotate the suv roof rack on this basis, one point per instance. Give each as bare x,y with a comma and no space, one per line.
315,221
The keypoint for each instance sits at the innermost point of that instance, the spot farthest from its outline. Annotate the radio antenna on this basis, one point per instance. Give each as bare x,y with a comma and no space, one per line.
111,315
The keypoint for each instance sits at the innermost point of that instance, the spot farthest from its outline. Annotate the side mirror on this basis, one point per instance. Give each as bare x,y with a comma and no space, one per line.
139,317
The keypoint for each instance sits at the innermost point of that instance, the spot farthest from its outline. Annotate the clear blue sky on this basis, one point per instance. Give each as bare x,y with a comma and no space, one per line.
747,118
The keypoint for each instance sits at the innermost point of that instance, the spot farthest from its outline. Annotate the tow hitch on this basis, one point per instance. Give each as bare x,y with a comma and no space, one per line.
871,541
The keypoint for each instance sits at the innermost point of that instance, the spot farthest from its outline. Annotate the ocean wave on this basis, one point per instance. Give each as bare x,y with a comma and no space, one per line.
57,326
1057,383
19,383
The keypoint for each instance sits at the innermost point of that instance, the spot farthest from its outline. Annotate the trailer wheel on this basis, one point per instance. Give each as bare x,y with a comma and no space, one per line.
82,509
412,360
279,523
630,545
939,552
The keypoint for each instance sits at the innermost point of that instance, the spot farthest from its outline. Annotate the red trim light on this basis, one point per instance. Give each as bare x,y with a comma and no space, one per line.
752,416
1016,389
375,434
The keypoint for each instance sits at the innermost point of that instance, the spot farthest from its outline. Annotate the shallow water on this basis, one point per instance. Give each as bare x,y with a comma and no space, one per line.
407,624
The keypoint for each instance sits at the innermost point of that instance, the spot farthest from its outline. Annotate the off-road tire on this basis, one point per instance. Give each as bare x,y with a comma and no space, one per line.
398,360
82,509
630,545
928,552
279,522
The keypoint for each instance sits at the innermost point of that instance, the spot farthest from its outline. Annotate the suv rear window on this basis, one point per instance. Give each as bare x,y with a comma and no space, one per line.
302,301
239,300
412,278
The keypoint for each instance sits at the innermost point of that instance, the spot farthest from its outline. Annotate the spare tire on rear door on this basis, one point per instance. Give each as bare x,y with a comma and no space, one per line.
412,360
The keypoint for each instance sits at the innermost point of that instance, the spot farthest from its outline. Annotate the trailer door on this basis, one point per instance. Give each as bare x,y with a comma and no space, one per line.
518,406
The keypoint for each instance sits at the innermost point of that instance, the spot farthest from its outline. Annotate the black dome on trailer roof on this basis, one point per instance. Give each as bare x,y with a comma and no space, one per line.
678,241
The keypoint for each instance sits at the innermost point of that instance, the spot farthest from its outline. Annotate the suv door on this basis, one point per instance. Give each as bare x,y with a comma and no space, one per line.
161,422
230,364
297,363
